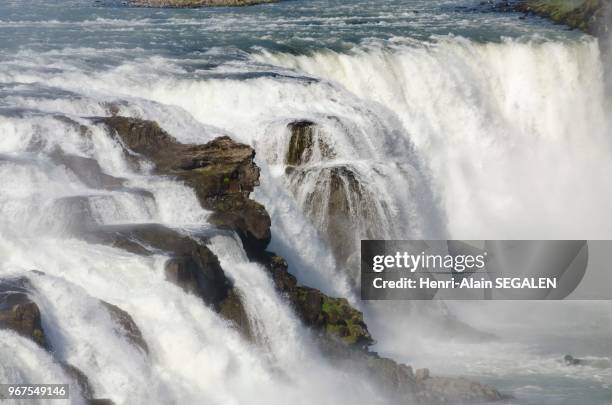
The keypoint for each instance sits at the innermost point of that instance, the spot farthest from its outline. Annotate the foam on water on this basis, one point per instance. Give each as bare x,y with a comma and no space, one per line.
446,136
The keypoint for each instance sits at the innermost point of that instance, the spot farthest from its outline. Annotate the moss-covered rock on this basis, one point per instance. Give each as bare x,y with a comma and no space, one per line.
338,205
333,316
586,15
22,315
192,266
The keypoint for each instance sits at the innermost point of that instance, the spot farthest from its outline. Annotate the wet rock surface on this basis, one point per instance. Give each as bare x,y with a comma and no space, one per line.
331,318
591,16
87,170
339,198
232,309
306,144
82,381
192,265
344,338
222,173
18,312
22,315
334,316
126,325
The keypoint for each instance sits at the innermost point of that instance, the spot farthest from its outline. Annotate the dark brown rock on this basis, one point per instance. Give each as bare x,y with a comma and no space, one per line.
591,16
394,378
300,144
193,266
87,170
126,325
18,312
333,316
222,173
339,197
232,309
303,143
81,379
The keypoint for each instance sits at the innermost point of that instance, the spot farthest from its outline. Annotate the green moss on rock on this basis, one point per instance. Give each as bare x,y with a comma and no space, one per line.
586,15
333,316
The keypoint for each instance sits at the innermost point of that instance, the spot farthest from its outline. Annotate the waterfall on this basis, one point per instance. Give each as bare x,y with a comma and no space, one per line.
443,138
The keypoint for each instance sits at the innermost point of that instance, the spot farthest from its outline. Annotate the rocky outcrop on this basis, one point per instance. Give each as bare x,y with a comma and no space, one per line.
338,204
192,265
84,385
198,3
587,15
222,173
126,326
301,142
232,309
345,339
22,315
87,170
331,318
18,312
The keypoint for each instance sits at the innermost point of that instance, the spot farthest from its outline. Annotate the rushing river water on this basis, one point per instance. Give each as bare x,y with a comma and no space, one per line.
456,122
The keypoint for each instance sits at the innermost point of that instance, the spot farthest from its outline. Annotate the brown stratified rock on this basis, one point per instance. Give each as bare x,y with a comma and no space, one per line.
305,144
80,378
192,266
18,312
126,325
591,16
341,200
87,170
332,318
222,173
232,309
301,142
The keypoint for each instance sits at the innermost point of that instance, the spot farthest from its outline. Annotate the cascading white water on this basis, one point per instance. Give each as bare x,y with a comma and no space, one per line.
195,356
515,130
509,137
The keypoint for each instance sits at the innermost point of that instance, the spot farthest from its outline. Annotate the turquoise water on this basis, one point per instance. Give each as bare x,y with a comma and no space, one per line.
292,26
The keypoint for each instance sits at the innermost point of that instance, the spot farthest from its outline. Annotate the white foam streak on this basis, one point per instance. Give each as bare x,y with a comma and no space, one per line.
516,127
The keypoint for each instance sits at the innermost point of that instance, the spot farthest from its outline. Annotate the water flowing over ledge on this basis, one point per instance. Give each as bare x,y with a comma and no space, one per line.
396,135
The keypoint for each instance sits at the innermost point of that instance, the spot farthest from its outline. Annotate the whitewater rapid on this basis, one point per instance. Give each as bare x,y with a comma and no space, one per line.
449,138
